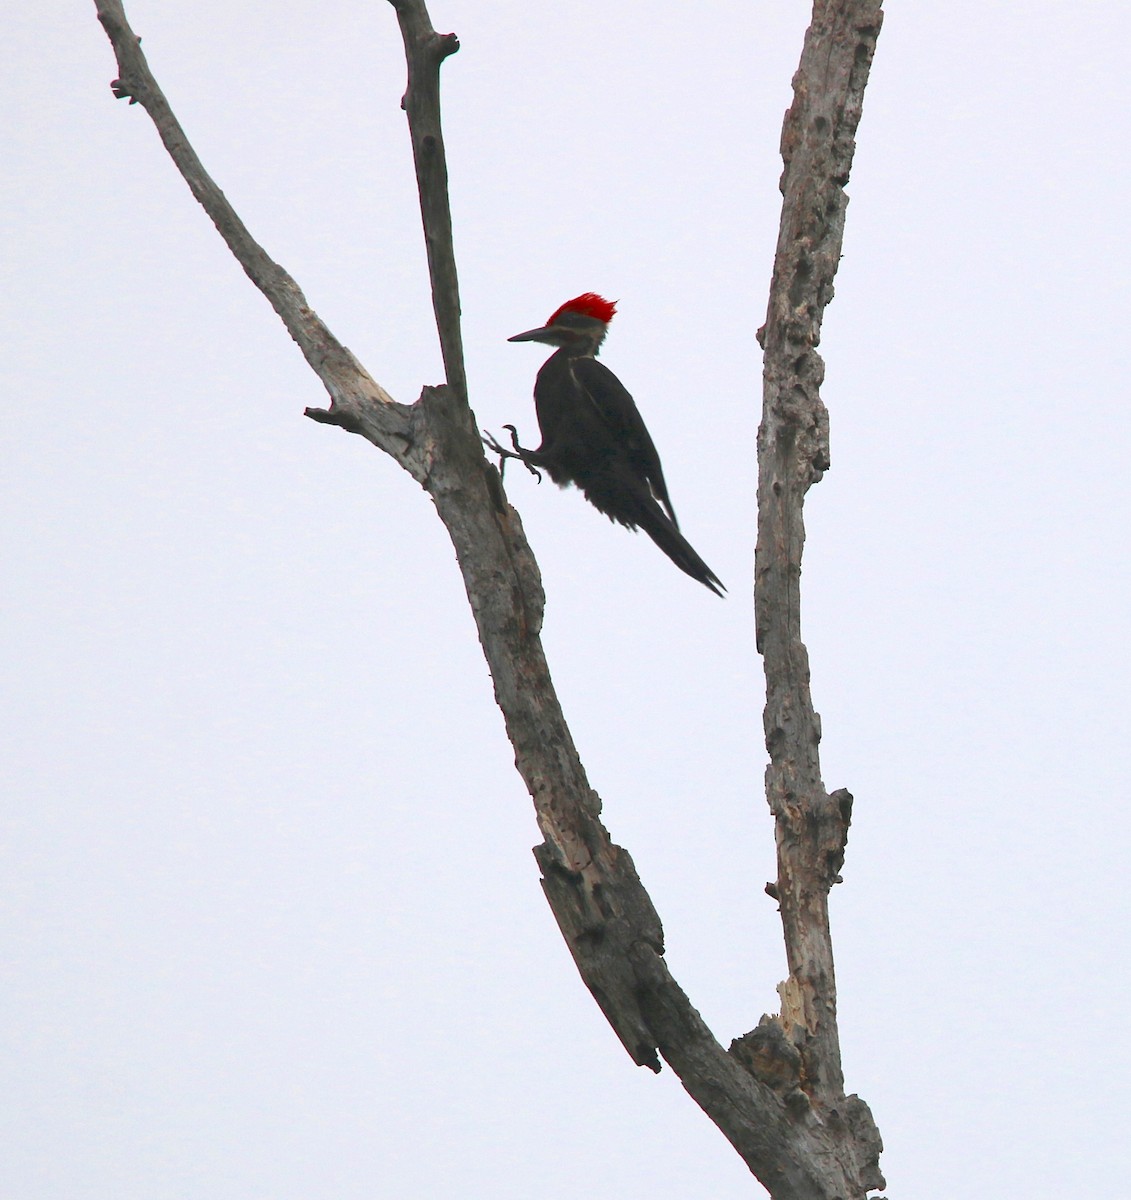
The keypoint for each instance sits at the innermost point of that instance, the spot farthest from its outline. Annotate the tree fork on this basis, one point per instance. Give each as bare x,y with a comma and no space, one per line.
777,1095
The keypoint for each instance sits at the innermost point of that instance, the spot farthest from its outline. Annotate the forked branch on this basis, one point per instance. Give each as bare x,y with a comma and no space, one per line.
792,1126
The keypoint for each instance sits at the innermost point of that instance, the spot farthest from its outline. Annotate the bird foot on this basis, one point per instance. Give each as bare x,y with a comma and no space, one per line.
523,455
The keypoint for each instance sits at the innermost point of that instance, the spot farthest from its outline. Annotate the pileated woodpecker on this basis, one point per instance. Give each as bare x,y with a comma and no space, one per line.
593,435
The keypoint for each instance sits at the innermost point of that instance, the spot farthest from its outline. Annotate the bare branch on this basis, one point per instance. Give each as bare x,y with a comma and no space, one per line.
357,400
425,50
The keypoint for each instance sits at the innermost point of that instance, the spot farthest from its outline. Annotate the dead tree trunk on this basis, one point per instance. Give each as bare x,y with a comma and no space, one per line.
793,453
778,1093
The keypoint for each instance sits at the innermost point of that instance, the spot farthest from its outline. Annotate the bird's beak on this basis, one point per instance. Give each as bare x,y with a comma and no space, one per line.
533,335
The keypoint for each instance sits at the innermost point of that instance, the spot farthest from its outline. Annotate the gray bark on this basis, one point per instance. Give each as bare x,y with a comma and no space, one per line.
777,1094
793,453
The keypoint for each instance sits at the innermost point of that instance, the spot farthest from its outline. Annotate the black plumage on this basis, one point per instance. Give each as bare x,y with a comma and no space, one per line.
594,437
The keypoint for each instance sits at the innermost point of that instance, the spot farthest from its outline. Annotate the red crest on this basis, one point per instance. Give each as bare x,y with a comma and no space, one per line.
588,304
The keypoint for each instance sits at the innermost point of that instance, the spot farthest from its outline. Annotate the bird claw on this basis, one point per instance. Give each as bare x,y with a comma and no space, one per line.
492,444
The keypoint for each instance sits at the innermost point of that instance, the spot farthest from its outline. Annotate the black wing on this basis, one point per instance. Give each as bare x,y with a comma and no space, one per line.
618,410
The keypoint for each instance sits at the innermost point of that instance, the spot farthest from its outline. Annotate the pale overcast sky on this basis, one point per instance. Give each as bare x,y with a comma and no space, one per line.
271,927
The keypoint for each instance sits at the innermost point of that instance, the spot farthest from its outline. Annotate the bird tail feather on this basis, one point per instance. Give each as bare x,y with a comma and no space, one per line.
663,531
